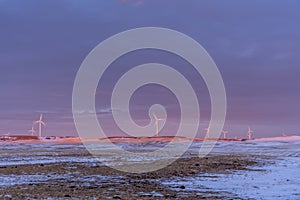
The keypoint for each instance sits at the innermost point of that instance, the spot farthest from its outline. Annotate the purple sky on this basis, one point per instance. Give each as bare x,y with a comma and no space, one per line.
255,44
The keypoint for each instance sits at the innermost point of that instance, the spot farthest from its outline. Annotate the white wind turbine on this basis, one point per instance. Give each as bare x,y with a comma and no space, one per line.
40,122
7,134
32,131
249,133
225,134
156,123
207,132
284,134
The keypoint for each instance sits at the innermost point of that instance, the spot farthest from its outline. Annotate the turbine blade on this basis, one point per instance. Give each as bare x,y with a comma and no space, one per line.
155,116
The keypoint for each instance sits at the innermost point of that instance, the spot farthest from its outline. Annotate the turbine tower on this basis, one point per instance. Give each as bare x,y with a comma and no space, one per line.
284,135
32,131
40,122
249,133
207,132
225,134
156,123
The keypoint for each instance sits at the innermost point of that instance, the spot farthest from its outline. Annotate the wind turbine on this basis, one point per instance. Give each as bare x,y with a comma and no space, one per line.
40,122
7,134
225,134
32,131
156,123
207,132
283,134
249,133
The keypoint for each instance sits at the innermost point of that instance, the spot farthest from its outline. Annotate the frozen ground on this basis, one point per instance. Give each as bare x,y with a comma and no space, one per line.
279,179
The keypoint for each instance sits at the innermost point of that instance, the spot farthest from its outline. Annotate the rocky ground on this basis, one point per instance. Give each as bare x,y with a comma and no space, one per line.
72,180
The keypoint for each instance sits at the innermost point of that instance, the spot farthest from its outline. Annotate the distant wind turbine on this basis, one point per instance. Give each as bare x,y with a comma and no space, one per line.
207,132
40,122
225,134
283,134
156,123
249,133
32,131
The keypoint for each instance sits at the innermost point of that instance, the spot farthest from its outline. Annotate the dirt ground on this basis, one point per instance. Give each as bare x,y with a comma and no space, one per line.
74,180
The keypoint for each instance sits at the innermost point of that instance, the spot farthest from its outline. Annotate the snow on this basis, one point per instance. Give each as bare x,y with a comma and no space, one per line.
280,180
282,138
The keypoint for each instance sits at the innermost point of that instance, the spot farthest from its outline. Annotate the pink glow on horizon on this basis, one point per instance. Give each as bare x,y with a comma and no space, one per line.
282,138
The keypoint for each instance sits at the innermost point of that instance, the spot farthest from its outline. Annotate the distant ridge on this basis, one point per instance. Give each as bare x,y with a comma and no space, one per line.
17,137
70,139
164,139
281,138
145,139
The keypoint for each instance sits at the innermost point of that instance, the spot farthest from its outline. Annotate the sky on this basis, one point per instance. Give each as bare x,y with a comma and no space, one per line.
255,44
